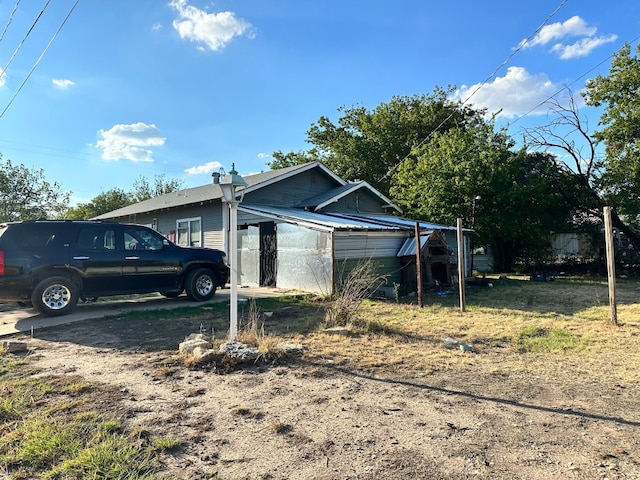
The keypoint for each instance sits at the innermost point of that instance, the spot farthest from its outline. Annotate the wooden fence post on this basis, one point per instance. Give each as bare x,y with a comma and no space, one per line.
611,264
461,268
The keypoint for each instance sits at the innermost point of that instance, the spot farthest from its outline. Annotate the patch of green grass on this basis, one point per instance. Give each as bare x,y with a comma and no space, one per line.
50,430
166,444
538,339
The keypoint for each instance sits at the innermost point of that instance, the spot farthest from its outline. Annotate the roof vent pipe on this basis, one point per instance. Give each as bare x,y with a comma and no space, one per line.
217,176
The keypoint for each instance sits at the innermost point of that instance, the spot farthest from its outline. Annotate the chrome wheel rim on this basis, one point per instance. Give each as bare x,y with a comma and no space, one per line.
204,285
56,297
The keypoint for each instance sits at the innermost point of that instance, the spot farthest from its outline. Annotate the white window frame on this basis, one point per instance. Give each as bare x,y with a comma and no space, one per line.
190,241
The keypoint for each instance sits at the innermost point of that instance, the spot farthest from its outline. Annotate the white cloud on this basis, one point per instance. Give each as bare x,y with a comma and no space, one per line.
204,168
575,27
130,142
62,84
516,93
582,47
264,155
214,30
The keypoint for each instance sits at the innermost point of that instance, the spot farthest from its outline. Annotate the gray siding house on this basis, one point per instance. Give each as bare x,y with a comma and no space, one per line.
298,227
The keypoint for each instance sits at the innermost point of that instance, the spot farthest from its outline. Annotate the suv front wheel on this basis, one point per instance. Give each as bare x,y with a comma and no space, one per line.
55,296
200,285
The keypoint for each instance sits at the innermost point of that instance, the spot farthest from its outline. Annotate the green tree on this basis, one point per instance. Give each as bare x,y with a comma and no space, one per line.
518,207
104,202
26,195
284,160
144,190
619,94
589,182
116,198
370,144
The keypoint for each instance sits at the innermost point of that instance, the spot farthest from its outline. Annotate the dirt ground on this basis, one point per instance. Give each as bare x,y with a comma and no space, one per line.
318,418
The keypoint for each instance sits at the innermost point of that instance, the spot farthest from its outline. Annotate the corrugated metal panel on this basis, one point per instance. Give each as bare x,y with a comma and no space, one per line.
317,220
249,257
370,244
304,259
409,247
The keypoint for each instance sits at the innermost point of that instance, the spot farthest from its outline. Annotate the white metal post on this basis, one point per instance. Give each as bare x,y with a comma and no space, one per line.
233,253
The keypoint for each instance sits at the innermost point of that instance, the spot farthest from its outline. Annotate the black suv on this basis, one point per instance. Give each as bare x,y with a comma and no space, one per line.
54,263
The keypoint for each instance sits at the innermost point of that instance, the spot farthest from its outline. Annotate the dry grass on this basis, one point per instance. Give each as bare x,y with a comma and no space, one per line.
518,326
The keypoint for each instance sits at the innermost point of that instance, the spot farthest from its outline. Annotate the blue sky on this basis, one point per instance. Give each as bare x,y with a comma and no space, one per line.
130,88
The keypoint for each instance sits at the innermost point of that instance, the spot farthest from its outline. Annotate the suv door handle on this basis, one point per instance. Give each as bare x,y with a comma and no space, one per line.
132,258
81,257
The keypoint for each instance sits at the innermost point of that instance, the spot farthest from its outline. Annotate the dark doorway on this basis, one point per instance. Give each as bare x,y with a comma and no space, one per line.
268,254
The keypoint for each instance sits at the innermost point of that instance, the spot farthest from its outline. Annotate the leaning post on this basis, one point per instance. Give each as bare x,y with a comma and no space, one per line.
611,264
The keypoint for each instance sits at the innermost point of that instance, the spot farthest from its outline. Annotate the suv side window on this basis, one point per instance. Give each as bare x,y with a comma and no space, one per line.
96,237
32,237
142,238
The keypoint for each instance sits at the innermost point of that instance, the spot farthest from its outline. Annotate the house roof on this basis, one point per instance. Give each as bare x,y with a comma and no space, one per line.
320,201
211,191
338,221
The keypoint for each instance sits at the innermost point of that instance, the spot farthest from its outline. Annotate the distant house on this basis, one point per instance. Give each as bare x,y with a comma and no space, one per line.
298,227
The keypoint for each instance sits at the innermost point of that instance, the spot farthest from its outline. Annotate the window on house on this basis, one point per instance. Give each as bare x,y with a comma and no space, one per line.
189,232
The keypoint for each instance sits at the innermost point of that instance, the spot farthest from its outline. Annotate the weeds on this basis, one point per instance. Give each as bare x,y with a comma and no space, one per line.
351,291
538,339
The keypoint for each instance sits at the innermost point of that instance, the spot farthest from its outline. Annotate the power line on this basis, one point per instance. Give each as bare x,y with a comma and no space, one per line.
40,57
15,52
568,85
492,75
6,27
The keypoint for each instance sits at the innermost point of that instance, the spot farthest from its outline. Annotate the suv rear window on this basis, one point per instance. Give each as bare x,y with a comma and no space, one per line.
32,236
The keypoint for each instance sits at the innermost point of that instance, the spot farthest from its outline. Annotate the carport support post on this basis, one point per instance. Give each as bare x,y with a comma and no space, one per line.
461,268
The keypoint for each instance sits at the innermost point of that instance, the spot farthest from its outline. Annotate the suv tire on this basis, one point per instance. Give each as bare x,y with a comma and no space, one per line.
55,296
201,285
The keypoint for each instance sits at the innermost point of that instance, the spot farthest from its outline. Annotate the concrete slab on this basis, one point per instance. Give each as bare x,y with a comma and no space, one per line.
27,320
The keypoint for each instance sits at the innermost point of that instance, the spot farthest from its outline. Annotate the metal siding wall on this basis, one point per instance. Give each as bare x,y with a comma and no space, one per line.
304,259
380,247
249,256
350,245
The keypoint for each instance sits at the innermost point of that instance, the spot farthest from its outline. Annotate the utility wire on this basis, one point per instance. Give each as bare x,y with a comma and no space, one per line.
15,52
6,27
39,58
493,74
568,85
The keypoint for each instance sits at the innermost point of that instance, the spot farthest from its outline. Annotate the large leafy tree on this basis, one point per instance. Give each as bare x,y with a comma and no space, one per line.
25,194
143,189
472,173
619,94
116,198
369,144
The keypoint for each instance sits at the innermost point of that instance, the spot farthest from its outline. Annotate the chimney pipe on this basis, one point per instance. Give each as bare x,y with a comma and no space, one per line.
216,178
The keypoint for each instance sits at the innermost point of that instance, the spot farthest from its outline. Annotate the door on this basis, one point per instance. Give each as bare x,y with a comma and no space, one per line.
97,258
149,262
268,254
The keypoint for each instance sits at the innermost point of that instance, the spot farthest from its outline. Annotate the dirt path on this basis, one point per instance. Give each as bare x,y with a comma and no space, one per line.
314,418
